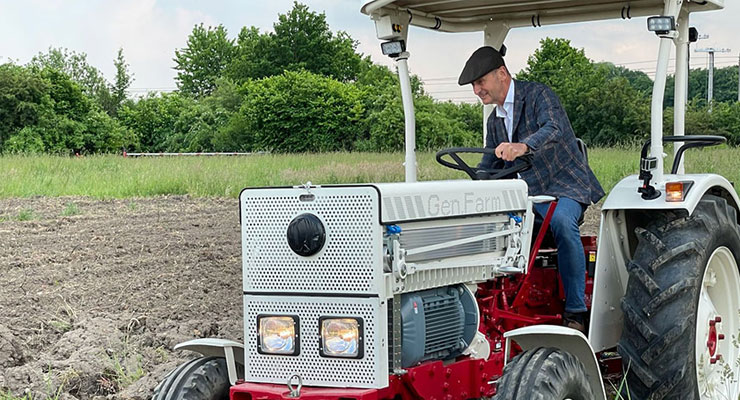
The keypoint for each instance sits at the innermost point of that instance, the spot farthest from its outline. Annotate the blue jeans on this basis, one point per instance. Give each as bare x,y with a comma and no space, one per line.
571,260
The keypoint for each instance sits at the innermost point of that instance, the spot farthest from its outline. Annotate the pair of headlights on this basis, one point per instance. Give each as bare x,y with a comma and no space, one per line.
341,337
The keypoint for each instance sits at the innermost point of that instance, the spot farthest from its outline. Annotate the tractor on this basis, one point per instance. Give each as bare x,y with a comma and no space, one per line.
449,290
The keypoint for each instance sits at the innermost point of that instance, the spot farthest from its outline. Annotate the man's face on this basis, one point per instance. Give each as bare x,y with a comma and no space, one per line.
492,87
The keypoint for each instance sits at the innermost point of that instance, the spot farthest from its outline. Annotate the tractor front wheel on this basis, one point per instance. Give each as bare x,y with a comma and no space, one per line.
681,306
544,373
204,378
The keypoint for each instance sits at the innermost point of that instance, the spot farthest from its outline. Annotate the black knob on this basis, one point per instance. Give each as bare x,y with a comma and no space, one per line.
306,235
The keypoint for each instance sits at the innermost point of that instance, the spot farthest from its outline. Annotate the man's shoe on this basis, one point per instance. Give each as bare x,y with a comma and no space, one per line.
575,321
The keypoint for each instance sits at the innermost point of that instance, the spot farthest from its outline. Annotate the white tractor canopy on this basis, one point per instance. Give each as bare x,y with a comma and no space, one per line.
475,15
495,18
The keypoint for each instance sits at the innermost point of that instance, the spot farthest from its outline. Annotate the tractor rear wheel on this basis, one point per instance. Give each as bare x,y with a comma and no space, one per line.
544,373
681,306
204,378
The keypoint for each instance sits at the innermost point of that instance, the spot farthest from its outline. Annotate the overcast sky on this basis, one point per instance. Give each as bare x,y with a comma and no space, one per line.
150,30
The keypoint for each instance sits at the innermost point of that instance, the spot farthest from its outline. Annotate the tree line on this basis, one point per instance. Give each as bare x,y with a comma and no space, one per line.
305,88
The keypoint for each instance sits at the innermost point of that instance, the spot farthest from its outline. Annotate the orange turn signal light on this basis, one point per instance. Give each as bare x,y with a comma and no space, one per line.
674,191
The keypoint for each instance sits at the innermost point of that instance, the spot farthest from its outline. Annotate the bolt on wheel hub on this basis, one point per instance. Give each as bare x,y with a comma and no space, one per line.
717,313
714,338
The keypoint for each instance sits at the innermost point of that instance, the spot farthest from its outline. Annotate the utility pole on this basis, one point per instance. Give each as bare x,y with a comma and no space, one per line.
738,79
710,83
703,36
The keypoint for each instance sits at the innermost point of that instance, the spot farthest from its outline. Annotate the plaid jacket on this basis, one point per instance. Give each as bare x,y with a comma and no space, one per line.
558,167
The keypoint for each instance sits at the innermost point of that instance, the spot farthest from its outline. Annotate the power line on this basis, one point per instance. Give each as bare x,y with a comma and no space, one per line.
450,81
152,88
441,79
436,80
654,61
465,94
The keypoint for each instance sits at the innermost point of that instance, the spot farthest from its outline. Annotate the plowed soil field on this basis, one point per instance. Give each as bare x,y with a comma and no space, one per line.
94,294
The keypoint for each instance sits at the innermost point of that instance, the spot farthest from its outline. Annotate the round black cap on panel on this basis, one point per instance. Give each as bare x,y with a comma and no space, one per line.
306,235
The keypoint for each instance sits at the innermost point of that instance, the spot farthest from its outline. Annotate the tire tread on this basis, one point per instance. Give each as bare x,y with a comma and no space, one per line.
204,378
660,304
544,374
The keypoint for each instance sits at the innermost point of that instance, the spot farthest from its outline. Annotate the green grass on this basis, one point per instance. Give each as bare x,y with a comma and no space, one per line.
51,392
70,209
127,368
26,215
9,396
117,177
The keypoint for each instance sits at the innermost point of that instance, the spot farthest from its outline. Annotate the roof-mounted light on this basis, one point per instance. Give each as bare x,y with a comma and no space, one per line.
393,48
661,25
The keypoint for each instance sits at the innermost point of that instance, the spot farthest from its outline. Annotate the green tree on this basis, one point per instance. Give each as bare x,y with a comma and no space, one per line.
603,107
75,65
295,112
24,98
724,120
725,86
302,41
28,140
206,124
615,113
46,111
56,122
153,119
103,134
470,115
565,69
378,80
252,59
377,76
227,96
638,79
195,127
75,124
122,83
203,60
438,125
67,97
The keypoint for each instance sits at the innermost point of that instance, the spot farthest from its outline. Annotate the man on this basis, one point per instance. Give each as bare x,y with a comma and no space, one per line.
530,119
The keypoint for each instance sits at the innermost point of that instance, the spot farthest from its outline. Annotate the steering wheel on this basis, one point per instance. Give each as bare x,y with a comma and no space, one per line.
522,163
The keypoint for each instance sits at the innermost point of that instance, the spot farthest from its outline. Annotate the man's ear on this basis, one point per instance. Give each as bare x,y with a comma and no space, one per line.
503,72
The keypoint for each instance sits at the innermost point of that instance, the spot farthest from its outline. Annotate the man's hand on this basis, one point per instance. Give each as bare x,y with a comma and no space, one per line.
510,151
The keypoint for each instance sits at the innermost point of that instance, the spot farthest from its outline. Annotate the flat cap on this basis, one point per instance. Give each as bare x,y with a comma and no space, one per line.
483,61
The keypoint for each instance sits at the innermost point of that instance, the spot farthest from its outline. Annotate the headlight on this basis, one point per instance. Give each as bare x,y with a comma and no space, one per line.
341,337
278,335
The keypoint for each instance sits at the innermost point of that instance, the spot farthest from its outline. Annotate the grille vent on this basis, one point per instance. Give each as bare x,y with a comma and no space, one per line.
413,238
444,324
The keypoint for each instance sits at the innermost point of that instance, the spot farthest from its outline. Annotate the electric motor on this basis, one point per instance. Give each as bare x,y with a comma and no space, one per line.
437,324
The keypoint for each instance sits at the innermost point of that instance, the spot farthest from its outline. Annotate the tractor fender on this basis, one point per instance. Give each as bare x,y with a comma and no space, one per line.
614,246
232,351
624,195
566,339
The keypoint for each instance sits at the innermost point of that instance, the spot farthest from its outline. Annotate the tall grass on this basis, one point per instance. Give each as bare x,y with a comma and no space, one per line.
117,177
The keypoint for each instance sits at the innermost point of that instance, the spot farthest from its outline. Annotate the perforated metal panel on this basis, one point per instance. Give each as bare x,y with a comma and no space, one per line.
351,260
371,371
